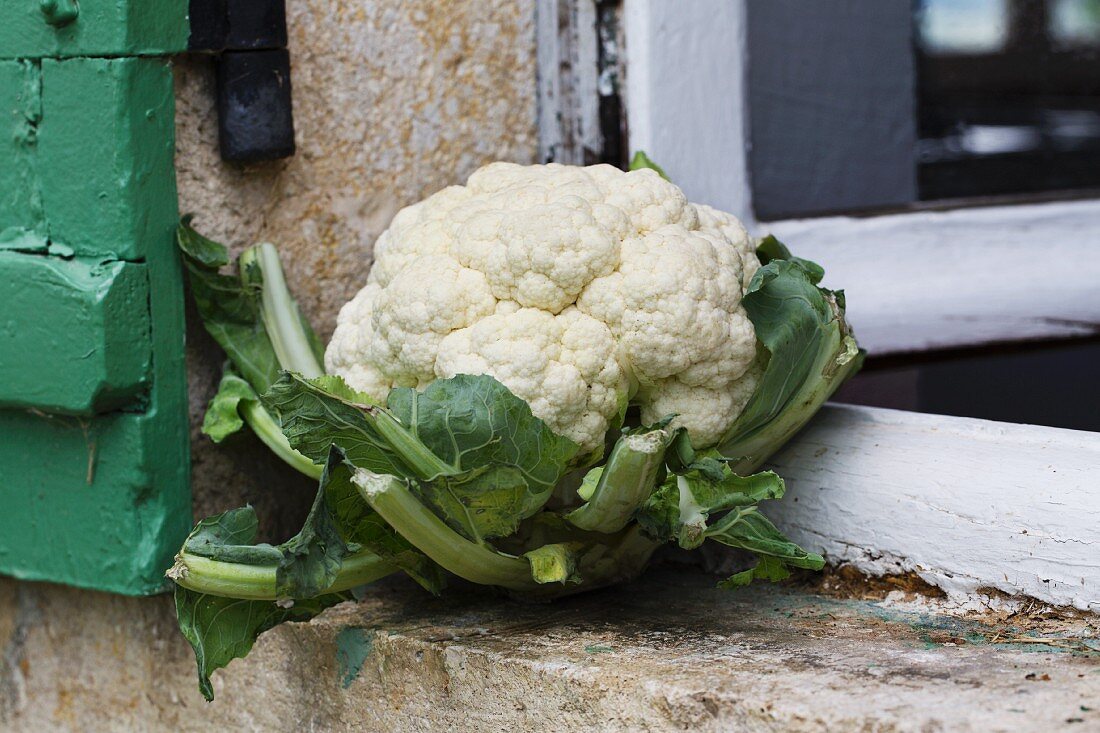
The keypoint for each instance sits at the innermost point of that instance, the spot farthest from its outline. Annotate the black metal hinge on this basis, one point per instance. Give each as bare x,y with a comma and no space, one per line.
255,111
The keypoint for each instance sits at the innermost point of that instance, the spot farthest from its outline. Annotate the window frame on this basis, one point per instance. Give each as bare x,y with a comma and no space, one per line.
916,280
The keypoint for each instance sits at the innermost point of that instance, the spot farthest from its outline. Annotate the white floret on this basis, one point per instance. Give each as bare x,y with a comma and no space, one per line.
727,225
572,286
425,228
704,411
675,304
348,351
424,302
540,233
563,366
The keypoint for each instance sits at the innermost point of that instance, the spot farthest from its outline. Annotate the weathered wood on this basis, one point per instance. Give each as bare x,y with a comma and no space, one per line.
568,99
933,280
964,503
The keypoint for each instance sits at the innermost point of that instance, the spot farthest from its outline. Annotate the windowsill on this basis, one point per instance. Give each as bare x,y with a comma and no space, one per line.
670,652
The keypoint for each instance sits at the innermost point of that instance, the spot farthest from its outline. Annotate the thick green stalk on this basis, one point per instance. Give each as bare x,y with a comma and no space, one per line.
268,431
619,560
391,498
628,479
410,448
257,582
280,313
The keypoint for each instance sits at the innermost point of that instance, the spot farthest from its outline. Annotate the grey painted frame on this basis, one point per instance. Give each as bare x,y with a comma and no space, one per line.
831,99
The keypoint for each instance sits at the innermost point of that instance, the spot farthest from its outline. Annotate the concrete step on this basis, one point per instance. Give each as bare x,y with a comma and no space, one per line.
670,652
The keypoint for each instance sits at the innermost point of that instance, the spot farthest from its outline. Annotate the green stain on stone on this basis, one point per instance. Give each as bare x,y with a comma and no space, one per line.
353,646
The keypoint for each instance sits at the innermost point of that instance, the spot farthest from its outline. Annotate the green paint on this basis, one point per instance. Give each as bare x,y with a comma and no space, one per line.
353,646
105,151
21,219
59,13
90,501
598,649
75,334
65,28
100,501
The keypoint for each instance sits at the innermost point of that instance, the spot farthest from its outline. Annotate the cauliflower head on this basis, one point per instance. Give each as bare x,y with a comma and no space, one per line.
580,289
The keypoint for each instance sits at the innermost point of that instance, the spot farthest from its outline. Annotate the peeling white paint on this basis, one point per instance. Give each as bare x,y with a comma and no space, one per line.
963,503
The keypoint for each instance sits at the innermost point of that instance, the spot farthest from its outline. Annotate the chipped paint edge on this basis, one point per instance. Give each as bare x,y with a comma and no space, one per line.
965,504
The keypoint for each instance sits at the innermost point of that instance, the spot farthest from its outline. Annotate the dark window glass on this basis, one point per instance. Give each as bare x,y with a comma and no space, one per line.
1052,385
1008,96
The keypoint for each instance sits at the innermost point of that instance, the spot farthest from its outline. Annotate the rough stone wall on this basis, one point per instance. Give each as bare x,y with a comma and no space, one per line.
393,99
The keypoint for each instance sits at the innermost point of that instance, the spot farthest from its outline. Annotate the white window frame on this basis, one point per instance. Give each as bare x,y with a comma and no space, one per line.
915,281
967,504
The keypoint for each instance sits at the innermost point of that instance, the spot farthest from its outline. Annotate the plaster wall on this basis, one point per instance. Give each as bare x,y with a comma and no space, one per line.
393,99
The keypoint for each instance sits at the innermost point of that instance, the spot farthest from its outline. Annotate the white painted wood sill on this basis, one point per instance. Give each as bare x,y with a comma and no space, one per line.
963,503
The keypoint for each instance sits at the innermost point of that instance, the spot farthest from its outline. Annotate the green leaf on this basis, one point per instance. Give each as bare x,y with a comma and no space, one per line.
766,568
555,563
251,315
754,532
223,629
482,503
316,415
223,417
477,455
504,461
312,558
291,582
229,537
335,385
683,458
235,404
589,483
475,421
230,310
641,160
811,352
771,248
203,251
359,525
681,508
734,491
340,524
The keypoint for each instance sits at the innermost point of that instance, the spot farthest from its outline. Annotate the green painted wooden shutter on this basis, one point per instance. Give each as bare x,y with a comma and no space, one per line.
94,476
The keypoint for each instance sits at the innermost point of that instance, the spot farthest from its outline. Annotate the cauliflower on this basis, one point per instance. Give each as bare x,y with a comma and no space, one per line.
580,289
504,329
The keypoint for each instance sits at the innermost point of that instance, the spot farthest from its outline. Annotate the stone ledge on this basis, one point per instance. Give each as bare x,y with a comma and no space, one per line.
670,652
